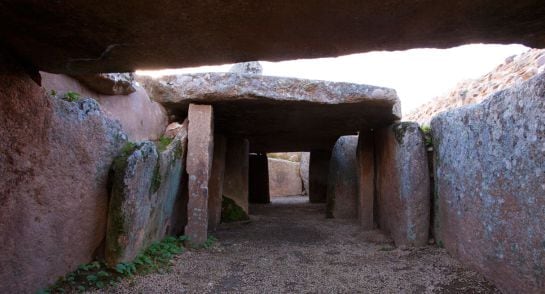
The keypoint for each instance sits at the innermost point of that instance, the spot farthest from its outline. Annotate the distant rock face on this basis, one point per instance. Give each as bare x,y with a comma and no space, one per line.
515,70
146,186
141,118
403,183
342,185
284,178
304,170
109,83
250,68
54,161
490,186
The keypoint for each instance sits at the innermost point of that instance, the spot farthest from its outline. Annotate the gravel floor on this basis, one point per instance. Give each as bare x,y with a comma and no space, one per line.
289,247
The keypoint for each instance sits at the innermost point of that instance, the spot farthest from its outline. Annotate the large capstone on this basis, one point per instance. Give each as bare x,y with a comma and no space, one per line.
113,36
279,114
490,186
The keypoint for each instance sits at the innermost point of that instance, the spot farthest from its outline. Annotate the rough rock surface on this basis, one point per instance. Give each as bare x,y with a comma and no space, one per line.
149,34
215,185
141,118
284,178
366,179
200,155
145,187
235,181
291,156
515,70
251,68
304,170
109,83
342,184
279,114
403,184
490,187
54,161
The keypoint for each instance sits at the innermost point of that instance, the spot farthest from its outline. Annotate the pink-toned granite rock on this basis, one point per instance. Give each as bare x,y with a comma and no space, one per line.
284,178
141,118
403,183
200,153
54,161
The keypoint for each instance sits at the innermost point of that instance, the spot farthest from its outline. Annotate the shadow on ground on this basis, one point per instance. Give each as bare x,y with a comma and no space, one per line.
289,246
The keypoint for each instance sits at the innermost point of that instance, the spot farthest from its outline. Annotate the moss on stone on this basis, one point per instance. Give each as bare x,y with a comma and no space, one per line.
399,130
163,143
231,212
116,219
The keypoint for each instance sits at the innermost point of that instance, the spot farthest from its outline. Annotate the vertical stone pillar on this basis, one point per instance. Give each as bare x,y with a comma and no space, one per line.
215,193
342,185
403,183
200,150
259,179
366,179
235,182
318,171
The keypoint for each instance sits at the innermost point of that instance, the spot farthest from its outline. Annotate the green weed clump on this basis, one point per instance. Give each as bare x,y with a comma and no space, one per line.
98,275
163,143
428,140
71,96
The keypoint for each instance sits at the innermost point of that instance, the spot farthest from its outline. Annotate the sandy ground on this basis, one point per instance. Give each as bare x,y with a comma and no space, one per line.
289,247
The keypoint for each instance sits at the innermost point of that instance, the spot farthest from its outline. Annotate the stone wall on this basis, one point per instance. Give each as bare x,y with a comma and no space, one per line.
54,161
490,191
284,178
145,187
342,185
140,117
402,184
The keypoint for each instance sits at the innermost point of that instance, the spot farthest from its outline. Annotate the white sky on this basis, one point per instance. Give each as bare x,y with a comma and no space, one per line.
418,75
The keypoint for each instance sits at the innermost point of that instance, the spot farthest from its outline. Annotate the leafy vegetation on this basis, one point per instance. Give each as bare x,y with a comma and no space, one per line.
163,143
231,212
71,96
428,140
97,274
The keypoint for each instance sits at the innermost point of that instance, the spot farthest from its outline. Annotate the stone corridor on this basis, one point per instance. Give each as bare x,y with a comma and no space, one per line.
290,247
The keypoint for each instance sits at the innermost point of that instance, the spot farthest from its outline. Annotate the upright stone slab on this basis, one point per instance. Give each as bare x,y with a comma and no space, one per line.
403,183
304,170
342,185
318,173
259,179
366,179
199,164
145,187
55,157
235,182
215,193
490,186
284,178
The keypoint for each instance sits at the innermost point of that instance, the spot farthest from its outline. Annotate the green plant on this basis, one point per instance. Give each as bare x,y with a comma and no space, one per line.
209,242
163,143
71,96
98,275
428,140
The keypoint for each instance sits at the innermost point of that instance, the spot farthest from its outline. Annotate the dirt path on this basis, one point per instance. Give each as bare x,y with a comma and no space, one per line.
290,247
